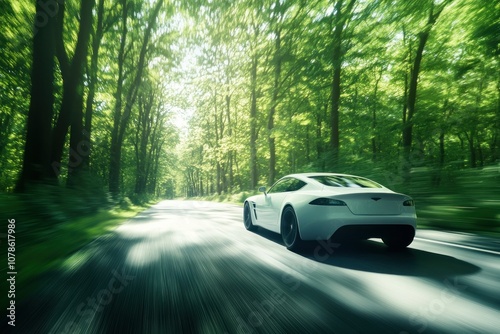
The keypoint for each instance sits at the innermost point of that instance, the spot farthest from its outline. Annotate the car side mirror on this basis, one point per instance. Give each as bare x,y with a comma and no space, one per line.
262,190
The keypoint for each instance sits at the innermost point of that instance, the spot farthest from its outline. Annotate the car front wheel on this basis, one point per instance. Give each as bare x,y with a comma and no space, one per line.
290,230
247,218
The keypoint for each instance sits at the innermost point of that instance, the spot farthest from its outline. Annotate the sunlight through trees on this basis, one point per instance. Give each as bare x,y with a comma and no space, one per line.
193,98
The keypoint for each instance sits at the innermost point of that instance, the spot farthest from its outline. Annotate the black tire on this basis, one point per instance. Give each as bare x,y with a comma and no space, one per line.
290,230
247,218
398,242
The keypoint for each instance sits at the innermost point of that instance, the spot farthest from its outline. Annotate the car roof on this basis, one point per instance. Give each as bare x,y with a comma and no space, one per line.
307,175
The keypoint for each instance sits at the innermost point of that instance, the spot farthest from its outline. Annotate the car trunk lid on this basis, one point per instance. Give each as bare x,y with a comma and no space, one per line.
374,203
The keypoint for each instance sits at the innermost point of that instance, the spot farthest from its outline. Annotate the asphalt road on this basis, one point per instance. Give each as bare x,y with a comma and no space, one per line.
191,267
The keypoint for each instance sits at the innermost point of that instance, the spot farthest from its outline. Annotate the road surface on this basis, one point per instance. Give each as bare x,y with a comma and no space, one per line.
191,267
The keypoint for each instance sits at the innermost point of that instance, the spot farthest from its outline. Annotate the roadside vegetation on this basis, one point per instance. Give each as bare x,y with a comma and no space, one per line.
54,223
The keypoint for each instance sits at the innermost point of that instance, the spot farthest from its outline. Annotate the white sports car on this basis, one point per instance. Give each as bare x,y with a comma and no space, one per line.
337,207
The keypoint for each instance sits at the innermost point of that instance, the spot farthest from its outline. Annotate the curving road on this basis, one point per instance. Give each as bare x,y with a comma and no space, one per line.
191,267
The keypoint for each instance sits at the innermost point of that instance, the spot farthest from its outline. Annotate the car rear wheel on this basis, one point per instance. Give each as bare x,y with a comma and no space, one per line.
290,230
398,242
247,218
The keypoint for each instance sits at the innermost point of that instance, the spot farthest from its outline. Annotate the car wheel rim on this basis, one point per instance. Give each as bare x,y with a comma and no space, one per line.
289,227
247,217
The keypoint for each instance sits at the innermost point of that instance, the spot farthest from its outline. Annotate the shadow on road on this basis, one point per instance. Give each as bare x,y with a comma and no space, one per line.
189,268
376,257
372,256
154,276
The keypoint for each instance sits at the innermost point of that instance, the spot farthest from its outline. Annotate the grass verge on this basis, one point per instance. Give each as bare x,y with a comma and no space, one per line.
42,250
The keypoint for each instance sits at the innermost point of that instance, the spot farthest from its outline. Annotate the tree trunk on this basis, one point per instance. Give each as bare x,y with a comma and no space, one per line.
412,93
231,150
115,150
141,143
71,113
253,123
319,137
374,118
341,17
472,149
92,73
412,89
37,150
495,146
79,143
155,144
272,110
218,177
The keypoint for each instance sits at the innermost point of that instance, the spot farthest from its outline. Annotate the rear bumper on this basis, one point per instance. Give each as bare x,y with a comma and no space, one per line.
356,232
324,224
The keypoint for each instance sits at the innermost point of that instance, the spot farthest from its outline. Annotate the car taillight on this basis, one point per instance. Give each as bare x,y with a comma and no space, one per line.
327,201
409,202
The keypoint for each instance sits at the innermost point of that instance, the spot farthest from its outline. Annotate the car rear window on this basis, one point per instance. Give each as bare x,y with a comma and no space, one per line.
345,181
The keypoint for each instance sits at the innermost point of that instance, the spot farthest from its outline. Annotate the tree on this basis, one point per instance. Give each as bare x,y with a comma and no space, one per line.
340,18
71,112
122,112
254,60
37,152
92,71
416,60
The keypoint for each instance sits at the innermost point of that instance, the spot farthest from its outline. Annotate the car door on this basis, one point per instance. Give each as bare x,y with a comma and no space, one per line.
270,208
267,203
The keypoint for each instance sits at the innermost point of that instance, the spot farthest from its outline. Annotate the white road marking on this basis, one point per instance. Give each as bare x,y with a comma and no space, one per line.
459,246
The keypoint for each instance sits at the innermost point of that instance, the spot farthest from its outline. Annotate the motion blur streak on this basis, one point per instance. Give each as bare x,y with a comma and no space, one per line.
191,267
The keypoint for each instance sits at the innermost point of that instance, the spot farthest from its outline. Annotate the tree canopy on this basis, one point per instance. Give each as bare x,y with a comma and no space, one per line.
191,98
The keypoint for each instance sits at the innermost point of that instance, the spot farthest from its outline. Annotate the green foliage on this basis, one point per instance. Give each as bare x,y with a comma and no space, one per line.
44,206
456,99
244,78
44,244
467,200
